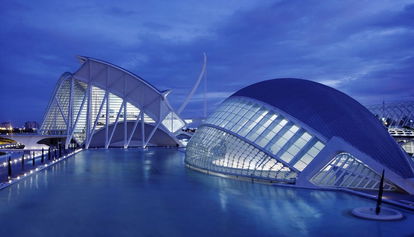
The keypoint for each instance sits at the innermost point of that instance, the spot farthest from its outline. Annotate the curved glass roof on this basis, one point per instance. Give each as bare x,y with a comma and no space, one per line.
258,124
332,113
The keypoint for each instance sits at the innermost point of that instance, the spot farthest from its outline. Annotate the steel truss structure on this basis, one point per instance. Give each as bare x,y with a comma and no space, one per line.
398,117
395,115
101,98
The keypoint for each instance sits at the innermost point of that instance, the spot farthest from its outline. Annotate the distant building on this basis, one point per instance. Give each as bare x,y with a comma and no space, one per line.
31,125
193,123
398,118
6,125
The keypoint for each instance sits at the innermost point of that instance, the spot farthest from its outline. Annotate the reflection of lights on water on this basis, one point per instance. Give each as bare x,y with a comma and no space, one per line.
146,168
41,167
223,200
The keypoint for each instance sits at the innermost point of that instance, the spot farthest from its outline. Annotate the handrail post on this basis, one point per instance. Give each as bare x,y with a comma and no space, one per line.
23,161
9,169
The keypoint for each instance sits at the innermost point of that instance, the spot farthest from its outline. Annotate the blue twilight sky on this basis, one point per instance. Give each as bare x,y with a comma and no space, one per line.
364,48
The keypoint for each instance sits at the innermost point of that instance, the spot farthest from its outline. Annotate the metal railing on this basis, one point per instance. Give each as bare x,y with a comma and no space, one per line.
20,164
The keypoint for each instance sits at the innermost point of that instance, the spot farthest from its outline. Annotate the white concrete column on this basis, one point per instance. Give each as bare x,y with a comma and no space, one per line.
142,129
125,126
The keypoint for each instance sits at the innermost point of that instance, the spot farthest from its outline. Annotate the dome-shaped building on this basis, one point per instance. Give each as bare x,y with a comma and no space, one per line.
299,132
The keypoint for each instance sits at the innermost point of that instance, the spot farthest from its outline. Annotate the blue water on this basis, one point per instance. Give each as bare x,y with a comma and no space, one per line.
151,193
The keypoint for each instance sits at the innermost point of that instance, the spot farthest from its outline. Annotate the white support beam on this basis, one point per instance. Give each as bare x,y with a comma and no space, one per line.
125,125
95,123
125,115
70,112
134,128
160,119
77,118
115,124
142,128
152,133
70,106
89,107
107,118
107,107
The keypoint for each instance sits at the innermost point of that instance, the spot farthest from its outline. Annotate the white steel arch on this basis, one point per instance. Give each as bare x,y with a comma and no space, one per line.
100,94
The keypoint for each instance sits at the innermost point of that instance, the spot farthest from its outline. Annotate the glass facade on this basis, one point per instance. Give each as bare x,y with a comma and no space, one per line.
215,150
267,144
54,122
248,138
269,130
58,113
244,137
344,170
301,125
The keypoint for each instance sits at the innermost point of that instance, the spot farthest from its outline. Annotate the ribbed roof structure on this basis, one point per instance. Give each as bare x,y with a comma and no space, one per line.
332,113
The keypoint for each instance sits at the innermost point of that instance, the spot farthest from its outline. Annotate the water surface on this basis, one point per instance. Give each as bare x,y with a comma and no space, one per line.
151,193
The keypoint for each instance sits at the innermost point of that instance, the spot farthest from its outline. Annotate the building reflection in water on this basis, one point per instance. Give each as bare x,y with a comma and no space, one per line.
285,207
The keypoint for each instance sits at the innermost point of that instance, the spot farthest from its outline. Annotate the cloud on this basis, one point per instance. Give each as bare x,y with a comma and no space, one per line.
360,47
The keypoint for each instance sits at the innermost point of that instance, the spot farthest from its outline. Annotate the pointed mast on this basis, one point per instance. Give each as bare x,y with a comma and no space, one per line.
200,77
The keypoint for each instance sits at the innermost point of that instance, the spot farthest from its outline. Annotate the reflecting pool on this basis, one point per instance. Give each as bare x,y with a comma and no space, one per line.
151,193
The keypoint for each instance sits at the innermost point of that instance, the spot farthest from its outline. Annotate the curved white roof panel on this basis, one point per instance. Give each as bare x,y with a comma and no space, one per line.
99,94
